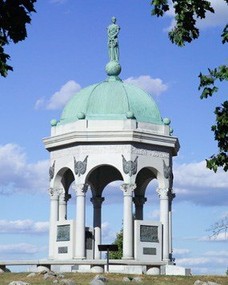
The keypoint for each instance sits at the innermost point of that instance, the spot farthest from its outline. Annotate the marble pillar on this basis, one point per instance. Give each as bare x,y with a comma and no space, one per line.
97,201
127,220
54,216
80,190
164,219
171,197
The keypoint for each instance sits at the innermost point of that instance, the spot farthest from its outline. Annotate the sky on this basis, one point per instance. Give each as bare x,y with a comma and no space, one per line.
66,50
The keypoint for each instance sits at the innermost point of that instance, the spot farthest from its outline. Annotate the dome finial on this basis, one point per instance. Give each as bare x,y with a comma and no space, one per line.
113,68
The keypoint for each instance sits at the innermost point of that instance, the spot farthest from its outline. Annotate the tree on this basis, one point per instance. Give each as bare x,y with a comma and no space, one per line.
184,31
118,241
219,227
14,15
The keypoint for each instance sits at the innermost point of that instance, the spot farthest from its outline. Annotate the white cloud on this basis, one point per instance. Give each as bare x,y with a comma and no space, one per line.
23,227
21,248
17,175
217,19
221,237
181,251
221,253
108,236
59,99
58,1
198,261
154,86
194,182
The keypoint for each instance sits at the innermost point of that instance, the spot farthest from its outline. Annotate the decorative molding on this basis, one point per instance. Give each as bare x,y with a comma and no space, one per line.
163,192
80,166
52,171
107,149
55,192
130,167
128,189
80,189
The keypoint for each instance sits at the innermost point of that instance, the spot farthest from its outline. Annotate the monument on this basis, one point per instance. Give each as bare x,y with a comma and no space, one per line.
111,131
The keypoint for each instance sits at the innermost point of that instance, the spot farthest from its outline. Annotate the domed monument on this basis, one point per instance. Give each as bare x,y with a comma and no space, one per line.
111,131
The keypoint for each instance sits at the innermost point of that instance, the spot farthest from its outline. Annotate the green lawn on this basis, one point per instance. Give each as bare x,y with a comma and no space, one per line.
113,279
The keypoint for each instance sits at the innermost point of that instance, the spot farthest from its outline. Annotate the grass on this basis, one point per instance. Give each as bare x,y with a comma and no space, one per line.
113,279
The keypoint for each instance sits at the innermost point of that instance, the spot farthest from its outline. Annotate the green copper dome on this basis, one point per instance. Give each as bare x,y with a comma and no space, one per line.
111,100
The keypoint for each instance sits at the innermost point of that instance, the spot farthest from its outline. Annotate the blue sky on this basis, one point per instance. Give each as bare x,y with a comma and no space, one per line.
66,50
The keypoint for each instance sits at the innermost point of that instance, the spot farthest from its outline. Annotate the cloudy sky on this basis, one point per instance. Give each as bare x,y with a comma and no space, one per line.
66,50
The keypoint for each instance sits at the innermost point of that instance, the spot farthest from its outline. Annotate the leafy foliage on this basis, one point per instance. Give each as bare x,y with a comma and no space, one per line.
221,135
118,241
186,13
184,31
14,15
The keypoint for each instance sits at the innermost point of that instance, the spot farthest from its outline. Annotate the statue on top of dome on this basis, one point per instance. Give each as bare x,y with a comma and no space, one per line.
113,44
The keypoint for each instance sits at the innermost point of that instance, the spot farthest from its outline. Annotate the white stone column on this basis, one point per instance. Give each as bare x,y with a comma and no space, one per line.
127,220
62,205
54,215
171,197
97,201
139,202
164,219
80,221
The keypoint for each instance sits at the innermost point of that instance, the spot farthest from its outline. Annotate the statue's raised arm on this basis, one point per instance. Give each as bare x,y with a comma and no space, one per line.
113,44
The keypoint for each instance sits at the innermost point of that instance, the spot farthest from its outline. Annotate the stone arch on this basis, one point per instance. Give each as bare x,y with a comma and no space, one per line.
63,179
100,176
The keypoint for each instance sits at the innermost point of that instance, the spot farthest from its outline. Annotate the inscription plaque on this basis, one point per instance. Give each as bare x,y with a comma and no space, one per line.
63,249
149,251
148,233
63,233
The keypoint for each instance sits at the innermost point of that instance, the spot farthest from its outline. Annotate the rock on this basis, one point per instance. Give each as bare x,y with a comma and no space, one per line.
126,279
198,282
60,276
97,282
49,275
42,269
32,274
67,282
137,279
101,277
55,281
18,283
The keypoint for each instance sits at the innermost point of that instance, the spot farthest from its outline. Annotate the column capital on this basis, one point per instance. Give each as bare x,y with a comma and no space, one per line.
80,189
97,201
128,189
54,192
163,193
139,200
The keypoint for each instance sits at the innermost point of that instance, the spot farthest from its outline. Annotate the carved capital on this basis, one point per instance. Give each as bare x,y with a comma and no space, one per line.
163,193
139,200
54,193
97,201
128,189
80,189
